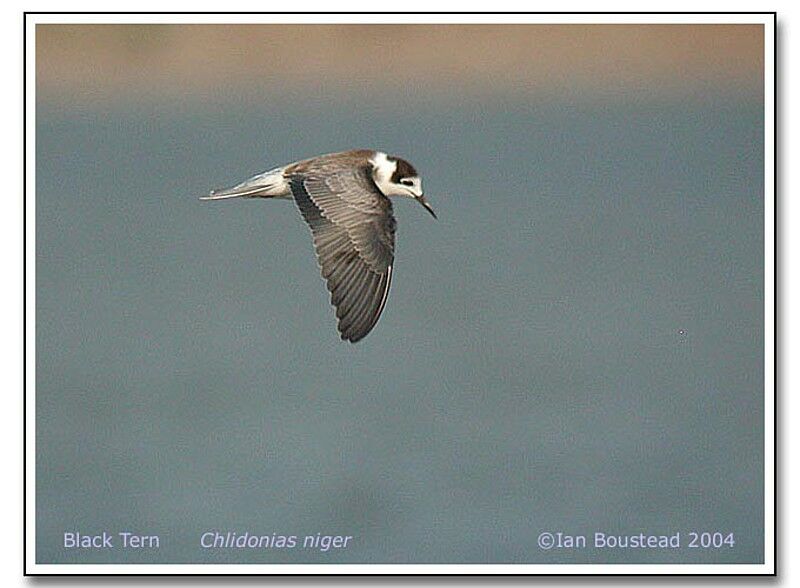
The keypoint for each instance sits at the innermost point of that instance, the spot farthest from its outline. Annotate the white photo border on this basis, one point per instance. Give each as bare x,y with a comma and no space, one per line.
767,19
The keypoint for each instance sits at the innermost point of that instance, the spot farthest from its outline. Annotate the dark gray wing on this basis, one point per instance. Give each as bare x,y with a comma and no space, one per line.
353,230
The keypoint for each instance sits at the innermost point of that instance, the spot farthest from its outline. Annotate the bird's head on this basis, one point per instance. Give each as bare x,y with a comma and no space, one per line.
396,177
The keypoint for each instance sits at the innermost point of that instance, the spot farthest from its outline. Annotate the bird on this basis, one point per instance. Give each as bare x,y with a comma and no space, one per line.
344,199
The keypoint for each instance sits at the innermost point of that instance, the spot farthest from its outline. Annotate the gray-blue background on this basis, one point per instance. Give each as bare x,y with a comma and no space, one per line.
576,345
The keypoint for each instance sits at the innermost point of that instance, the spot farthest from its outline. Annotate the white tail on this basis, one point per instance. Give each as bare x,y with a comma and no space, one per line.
270,184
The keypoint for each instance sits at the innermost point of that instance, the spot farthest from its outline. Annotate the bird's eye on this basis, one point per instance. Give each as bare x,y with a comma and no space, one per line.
407,182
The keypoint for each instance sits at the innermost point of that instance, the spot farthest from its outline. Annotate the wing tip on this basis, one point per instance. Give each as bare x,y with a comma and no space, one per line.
352,339
351,334
355,328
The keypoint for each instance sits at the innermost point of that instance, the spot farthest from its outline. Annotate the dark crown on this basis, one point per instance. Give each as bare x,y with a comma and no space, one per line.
403,170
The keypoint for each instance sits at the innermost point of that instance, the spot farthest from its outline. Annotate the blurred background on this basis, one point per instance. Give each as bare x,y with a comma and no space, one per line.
575,346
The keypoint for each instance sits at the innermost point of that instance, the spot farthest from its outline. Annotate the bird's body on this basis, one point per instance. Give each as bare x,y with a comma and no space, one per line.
344,198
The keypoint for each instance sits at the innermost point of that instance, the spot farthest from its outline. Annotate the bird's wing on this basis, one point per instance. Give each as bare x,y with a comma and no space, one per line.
353,229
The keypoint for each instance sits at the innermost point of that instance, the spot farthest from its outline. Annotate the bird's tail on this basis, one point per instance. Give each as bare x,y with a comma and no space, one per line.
270,184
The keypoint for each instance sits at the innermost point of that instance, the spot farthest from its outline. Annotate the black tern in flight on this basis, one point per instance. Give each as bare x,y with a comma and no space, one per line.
344,199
